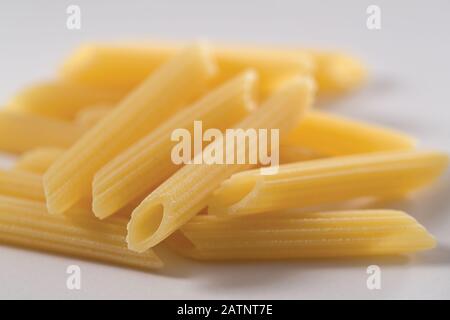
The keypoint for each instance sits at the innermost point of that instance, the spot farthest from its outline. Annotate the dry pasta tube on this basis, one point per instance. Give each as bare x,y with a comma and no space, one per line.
148,162
21,132
186,192
61,99
327,181
336,136
289,235
27,224
38,160
125,66
163,93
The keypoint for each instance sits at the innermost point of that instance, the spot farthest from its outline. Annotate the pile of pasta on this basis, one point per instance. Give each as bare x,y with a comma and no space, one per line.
94,176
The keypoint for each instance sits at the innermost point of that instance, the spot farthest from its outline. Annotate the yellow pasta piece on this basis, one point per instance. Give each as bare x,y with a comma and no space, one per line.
186,192
90,116
292,235
337,73
22,132
334,136
21,185
27,223
327,181
148,163
126,66
38,160
62,99
173,85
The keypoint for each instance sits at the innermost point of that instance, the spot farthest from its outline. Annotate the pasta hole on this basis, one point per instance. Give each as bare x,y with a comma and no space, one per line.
148,222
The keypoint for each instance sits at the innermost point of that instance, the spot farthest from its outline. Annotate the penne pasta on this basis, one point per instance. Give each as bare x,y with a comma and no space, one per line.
335,136
32,131
90,116
27,224
327,181
289,235
171,141
125,66
186,192
173,85
62,100
38,160
147,163
21,185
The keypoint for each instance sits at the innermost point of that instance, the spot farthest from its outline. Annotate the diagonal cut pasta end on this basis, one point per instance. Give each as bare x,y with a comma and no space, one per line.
145,223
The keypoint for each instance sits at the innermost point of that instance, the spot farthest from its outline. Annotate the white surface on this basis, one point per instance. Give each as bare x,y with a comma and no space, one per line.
408,90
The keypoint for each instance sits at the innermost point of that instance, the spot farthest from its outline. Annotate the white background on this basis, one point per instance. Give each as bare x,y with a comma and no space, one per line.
408,90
